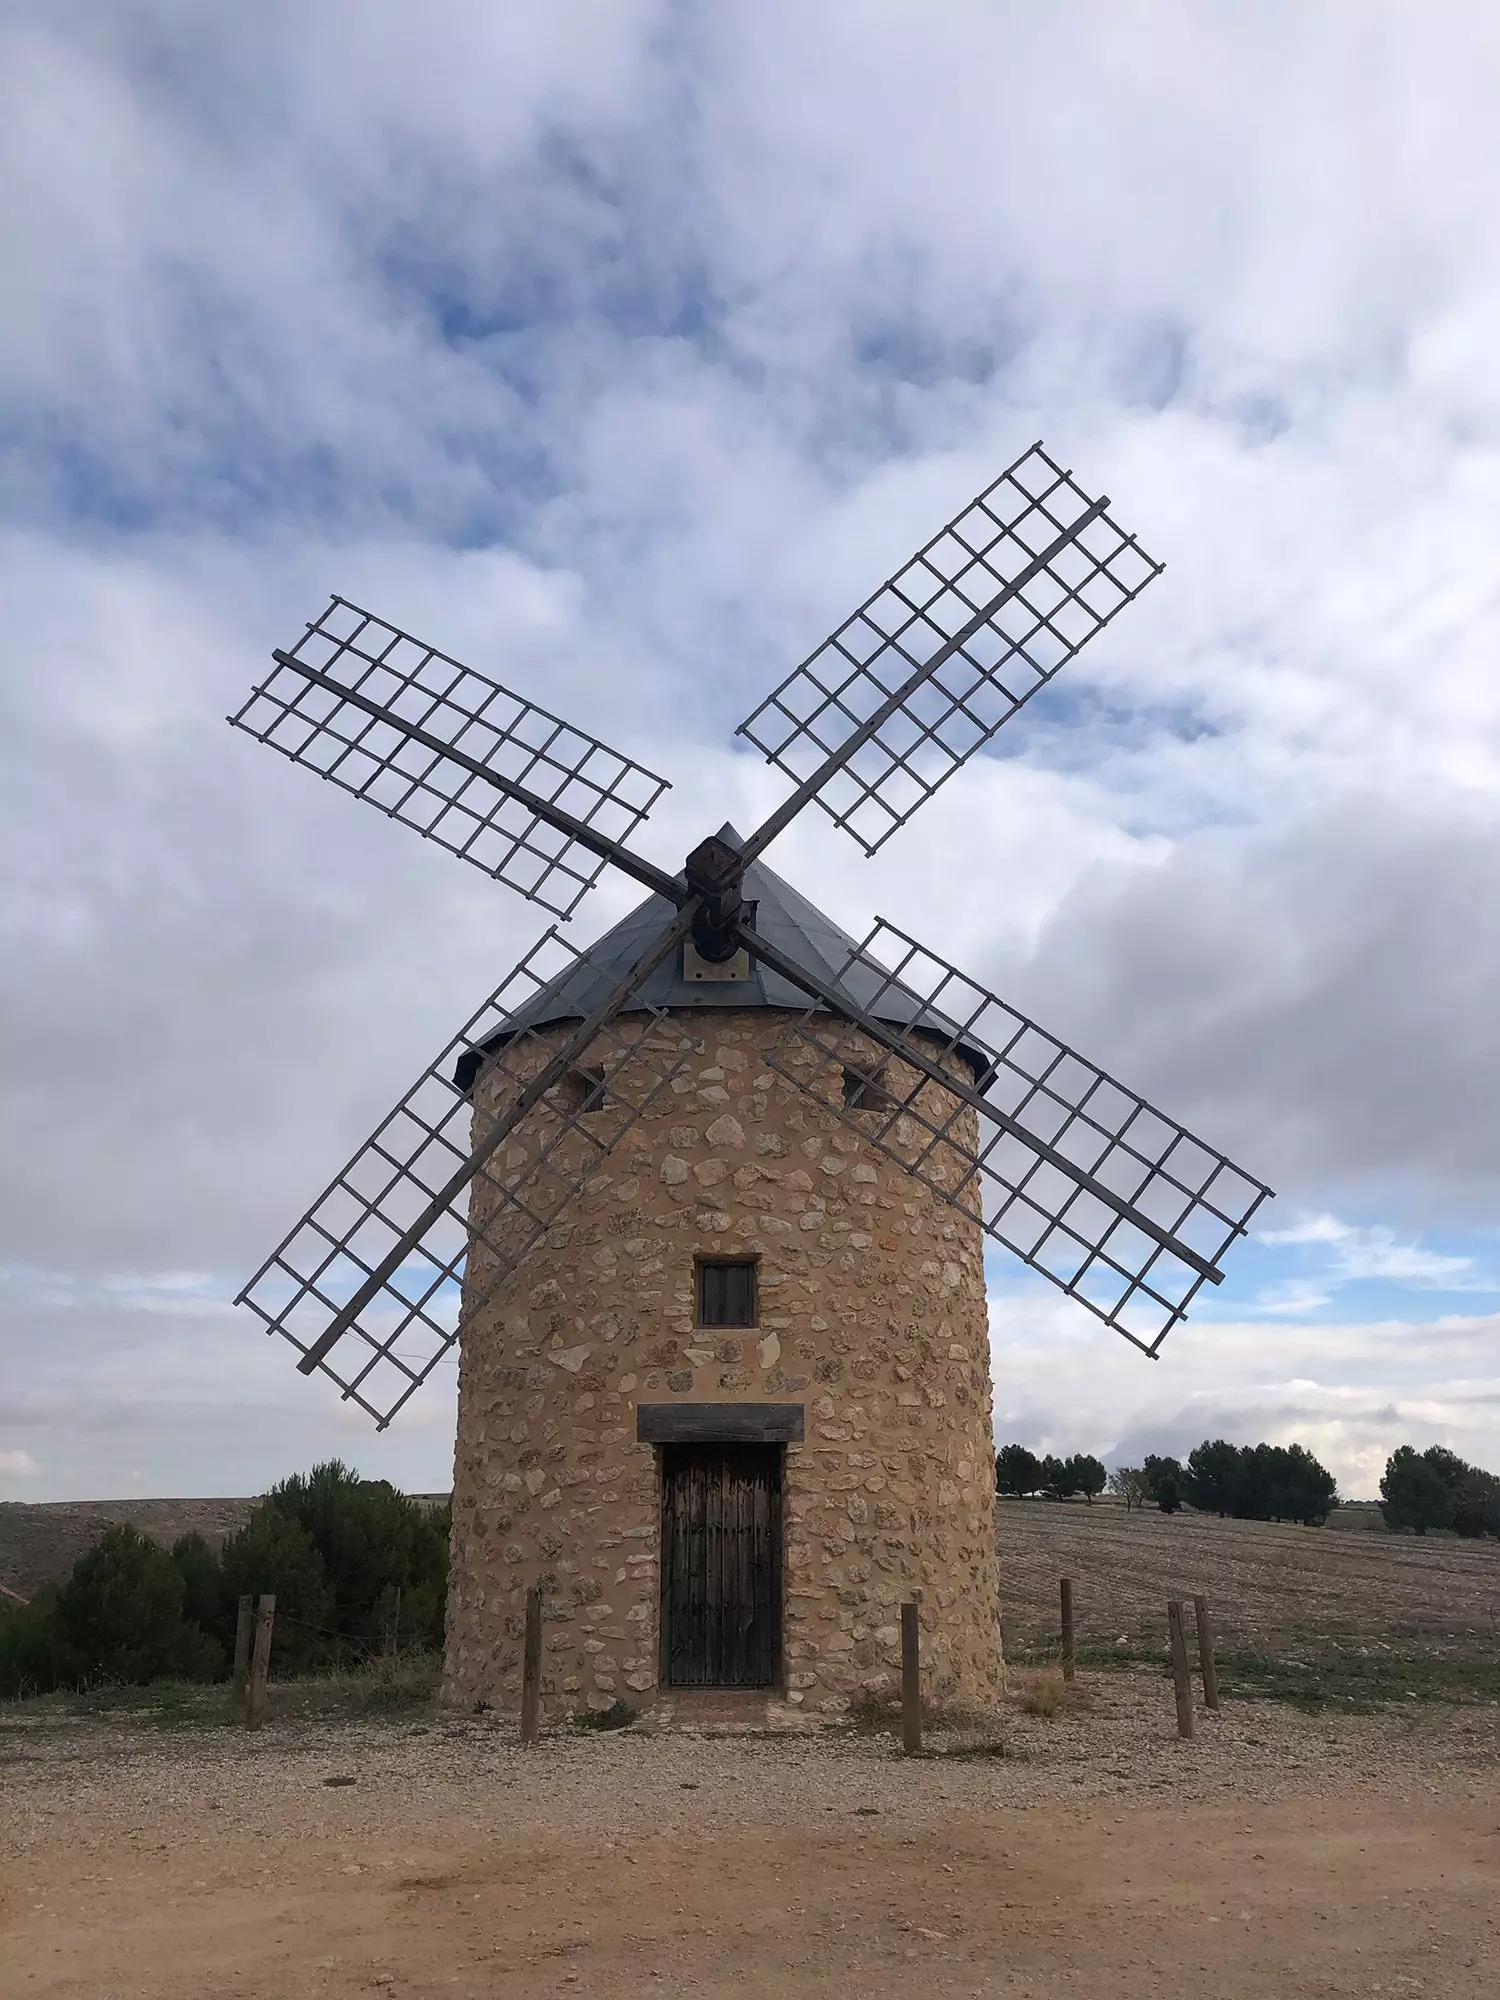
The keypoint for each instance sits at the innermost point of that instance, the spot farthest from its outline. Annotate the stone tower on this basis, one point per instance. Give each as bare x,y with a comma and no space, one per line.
736,1407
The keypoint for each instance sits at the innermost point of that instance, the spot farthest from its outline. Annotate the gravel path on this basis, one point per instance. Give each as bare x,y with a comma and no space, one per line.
1276,1851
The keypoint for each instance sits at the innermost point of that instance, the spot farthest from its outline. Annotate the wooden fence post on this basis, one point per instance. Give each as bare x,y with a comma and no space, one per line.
911,1682
1206,1662
242,1629
531,1667
260,1665
1068,1651
1180,1675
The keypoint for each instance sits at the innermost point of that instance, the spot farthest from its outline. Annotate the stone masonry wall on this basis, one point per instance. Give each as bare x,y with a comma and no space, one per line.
871,1313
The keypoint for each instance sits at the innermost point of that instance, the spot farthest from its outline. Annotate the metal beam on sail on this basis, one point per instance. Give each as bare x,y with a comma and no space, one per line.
948,649
504,784
425,1205
1124,1209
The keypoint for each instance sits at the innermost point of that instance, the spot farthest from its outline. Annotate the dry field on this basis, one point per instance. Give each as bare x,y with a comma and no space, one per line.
425,1855
1299,1611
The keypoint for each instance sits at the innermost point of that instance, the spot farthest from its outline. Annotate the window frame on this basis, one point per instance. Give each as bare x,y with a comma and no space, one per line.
749,1264
866,1090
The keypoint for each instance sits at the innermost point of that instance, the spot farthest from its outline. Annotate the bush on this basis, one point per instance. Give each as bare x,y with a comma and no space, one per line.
274,1553
353,1564
373,1541
202,1582
30,1655
119,1617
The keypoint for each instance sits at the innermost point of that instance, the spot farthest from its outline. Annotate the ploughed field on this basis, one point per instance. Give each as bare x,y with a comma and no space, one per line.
1312,1614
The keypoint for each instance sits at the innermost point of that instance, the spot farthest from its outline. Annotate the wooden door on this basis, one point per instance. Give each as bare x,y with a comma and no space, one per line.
721,1565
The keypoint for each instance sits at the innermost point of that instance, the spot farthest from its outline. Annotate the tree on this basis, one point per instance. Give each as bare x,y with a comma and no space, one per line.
1128,1483
1165,1480
119,1616
373,1541
1477,1507
1017,1471
1304,1490
1088,1475
1212,1468
273,1553
31,1658
202,1582
1414,1494
1057,1477
1476,1493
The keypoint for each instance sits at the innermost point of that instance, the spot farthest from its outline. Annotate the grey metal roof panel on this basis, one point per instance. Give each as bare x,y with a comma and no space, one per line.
785,918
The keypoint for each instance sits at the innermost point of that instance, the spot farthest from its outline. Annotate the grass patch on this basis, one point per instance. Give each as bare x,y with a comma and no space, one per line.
1359,1683
160,1705
873,1715
1318,1678
1042,1692
395,1687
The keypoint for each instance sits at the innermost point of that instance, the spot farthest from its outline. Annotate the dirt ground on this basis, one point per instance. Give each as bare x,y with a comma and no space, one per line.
1277,1854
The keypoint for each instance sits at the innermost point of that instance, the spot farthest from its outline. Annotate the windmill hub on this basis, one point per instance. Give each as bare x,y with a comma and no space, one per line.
715,871
705,1203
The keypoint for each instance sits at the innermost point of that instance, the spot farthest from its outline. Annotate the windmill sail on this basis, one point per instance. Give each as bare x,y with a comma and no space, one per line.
1120,1206
980,618
505,1205
444,749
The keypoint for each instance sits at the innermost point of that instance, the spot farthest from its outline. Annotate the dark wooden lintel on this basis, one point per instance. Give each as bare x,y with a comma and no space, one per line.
720,1423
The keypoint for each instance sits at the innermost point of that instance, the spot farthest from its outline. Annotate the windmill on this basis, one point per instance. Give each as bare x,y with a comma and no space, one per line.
463,1209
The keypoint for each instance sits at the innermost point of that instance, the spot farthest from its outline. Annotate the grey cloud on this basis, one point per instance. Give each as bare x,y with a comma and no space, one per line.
1318,996
620,359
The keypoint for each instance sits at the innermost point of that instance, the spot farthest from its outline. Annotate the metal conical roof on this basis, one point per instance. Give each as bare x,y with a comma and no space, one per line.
783,917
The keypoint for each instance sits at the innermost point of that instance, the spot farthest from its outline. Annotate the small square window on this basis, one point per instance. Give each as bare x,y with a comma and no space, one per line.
578,1091
864,1091
726,1293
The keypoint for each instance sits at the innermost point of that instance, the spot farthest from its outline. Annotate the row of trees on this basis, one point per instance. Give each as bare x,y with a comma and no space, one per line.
1019,1472
354,1565
1249,1482
1261,1482
1438,1489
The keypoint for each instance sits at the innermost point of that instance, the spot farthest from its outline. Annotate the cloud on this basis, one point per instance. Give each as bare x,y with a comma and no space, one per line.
1375,1252
620,355
18,1465
1351,1392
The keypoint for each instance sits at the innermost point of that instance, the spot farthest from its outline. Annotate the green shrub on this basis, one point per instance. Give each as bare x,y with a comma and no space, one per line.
373,1542
30,1653
274,1553
119,1617
202,1582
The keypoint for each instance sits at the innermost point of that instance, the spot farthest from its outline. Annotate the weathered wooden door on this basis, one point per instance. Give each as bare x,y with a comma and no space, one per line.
721,1565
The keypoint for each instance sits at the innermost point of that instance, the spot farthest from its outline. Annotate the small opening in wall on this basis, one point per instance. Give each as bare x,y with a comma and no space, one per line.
864,1091
580,1090
726,1291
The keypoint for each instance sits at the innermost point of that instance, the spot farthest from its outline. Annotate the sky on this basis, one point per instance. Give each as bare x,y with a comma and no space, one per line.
619,348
